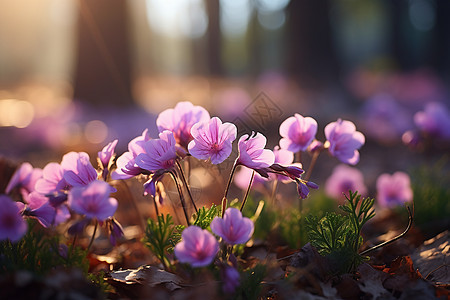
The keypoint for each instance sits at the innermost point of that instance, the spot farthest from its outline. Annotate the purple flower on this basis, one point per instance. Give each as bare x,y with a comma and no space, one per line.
115,230
393,190
343,141
75,170
52,179
38,207
107,154
180,120
297,133
160,154
81,172
12,225
233,228
212,140
434,120
126,165
231,279
304,186
343,179
198,247
25,178
252,153
93,200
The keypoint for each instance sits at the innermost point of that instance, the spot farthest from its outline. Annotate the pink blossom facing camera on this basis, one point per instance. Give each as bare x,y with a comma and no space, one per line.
233,227
394,190
93,201
343,179
297,133
213,140
343,141
180,120
198,247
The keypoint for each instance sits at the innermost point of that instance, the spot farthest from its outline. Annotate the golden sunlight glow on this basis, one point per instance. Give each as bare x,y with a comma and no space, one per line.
96,132
17,113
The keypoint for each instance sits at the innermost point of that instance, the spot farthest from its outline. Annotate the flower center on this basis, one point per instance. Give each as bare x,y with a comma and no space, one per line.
215,147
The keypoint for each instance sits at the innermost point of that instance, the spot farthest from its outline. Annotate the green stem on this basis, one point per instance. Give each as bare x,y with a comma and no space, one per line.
180,192
274,190
183,178
230,179
93,236
247,192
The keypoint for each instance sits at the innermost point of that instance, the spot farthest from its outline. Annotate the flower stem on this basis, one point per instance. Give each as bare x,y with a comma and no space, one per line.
274,190
311,165
93,236
180,192
248,191
410,221
156,206
183,178
230,179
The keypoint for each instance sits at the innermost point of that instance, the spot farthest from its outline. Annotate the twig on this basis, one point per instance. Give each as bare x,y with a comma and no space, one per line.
410,221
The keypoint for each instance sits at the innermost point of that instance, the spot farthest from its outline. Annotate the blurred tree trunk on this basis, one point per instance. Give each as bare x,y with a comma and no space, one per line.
214,39
103,73
311,56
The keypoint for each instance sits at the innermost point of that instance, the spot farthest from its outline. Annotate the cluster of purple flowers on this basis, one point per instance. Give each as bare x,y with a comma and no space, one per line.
55,193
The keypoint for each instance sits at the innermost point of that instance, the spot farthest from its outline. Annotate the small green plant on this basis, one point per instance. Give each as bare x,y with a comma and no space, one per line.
162,236
338,237
205,216
158,237
39,254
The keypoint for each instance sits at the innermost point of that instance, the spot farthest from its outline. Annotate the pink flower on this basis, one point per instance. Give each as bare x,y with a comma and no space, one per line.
12,225
343,179
93,200
252,153
212,140
38,207
297,132
52,179
107,154
393,190
434,120
180,120
233,228
198,247
126,164
75,170
343,141
160,154
25,178
81,171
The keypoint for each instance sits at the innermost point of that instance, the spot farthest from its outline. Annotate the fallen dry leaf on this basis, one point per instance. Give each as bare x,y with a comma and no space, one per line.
433,258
